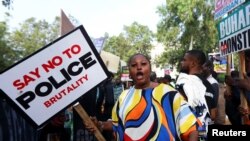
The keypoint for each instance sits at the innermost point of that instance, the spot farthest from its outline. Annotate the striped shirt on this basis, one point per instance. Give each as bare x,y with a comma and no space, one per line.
158,114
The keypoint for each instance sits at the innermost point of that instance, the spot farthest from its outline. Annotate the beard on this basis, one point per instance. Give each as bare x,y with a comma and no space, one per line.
184,71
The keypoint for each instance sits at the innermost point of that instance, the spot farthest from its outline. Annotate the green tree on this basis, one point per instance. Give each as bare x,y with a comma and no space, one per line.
33,35
118,45
7,55
140,37
184,25
7,3
135,38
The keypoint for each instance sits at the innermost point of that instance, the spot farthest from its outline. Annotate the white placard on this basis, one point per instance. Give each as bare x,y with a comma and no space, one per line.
54,77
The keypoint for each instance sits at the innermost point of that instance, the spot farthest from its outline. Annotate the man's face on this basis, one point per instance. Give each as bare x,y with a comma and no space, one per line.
185,63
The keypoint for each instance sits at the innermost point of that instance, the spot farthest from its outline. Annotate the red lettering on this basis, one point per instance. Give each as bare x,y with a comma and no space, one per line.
52,100
17,83
27,79
47,104
85,77
49,65
56,61
67,52
58,96
69,89
36,73
75,49
66,91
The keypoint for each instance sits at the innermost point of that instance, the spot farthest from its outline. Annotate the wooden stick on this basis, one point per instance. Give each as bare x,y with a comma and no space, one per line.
229,63
228,71
85,117
243,100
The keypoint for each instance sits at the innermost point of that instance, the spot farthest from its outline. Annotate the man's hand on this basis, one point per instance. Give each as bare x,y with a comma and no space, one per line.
91,127
244,83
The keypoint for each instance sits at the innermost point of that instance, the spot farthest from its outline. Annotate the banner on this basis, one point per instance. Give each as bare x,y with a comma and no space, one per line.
99,43
234,31
219,62
54,77
111,61
224,6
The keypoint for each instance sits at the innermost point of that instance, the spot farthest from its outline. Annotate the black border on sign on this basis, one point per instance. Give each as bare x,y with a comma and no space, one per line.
91,45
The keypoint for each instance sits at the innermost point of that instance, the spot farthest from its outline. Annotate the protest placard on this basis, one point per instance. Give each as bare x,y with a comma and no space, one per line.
54,77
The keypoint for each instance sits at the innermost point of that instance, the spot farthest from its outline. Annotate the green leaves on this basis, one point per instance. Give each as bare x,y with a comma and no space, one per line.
7,55
7,3
33,35
134,39
182,20
23,41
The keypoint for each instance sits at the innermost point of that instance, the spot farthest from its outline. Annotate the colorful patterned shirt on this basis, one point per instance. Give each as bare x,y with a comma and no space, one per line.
157,114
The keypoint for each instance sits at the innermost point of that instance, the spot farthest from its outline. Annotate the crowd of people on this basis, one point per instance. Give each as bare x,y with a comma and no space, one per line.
154,108
196,88
149,110
234,110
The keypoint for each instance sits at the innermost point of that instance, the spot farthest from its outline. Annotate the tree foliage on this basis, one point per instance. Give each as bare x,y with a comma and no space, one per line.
7,55
136,38
7,3
25,40
118,45
33,35
184,24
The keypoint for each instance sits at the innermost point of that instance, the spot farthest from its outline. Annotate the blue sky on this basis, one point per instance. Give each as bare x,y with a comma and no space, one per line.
97,16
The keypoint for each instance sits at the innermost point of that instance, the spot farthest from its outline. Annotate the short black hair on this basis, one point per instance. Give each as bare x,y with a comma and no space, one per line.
199,55
209,64
131,57
168,77
235,74
153,76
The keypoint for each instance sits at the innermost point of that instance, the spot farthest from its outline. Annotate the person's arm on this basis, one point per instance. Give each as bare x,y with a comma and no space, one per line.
227,95
245,113
189,131
244,83
241,83
213,112
101,125
105,125
216,90
229,80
